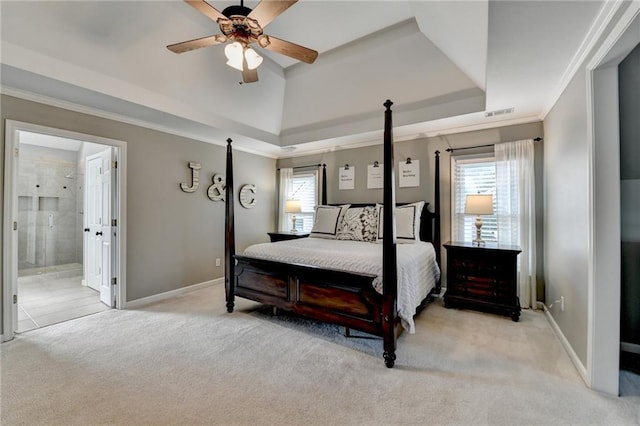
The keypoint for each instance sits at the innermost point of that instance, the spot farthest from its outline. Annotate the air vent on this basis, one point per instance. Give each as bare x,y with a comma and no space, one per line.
499,112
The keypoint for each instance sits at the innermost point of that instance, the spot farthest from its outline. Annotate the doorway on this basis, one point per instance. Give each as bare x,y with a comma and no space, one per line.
629,89
64,191
604,282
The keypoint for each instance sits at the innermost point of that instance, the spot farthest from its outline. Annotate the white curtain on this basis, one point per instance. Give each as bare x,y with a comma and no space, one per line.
515,210
285,190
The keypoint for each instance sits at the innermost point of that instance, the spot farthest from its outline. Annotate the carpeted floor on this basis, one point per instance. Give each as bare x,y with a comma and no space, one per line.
186,361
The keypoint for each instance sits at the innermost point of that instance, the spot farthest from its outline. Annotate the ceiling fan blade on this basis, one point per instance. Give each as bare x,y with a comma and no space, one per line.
248,76
206,9
267,10
186,46
287,48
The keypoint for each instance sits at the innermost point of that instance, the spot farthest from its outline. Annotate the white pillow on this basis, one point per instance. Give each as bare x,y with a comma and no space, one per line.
327,221
407,222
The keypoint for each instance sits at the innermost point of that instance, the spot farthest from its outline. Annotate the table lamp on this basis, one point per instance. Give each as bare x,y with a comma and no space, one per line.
479,204
293,206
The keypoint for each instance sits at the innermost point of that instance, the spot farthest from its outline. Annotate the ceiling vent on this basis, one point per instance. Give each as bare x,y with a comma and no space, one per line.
499,112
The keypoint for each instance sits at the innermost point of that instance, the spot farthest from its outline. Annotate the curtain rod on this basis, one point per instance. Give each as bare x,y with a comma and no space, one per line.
304,167
538,139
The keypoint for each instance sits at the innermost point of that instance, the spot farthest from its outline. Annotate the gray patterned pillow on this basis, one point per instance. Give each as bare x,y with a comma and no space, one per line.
359,224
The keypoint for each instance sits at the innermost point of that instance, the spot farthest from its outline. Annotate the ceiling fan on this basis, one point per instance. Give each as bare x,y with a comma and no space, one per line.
242,26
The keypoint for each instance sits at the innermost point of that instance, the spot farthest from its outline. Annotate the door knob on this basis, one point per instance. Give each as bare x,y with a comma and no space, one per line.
99,233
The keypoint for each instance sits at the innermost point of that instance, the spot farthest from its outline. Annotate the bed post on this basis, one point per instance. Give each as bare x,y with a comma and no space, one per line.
389,254
230,234
324,184
436,231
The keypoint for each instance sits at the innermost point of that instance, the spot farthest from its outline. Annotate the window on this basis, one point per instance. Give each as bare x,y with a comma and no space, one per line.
305,189
472,175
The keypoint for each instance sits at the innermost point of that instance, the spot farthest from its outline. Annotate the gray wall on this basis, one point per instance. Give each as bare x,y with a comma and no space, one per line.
567,210
173,237
423,150
629,88
566,172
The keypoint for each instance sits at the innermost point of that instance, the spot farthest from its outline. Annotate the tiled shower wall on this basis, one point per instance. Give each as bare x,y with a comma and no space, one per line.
48,207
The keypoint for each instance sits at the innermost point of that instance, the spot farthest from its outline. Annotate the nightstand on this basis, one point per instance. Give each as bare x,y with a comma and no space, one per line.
483,277
283,236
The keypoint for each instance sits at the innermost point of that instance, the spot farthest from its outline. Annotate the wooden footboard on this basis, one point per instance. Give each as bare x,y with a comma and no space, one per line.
340,297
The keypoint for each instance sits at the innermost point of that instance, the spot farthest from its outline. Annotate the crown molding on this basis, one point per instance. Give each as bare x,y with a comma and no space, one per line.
70,106
375,139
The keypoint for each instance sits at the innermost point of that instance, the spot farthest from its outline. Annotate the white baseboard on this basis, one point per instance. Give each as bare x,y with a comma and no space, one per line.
133,304
83,282
582,370
630,347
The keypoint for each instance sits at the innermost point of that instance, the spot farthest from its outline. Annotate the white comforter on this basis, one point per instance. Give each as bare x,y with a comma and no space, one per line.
418,271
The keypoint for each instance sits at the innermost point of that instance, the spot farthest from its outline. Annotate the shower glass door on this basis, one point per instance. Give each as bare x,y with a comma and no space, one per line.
48,232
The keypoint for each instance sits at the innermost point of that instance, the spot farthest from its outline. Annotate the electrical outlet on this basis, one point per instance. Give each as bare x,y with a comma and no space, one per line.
218,263
562,303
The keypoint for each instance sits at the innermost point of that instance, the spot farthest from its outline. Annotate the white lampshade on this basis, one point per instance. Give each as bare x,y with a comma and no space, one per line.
479,204
253,59
233,52
293,206
236,53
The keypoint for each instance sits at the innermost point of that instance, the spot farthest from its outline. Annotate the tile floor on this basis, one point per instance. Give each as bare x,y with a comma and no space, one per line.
54,294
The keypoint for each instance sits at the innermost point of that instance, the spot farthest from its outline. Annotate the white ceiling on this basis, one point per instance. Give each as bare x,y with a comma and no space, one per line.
442,63
49,141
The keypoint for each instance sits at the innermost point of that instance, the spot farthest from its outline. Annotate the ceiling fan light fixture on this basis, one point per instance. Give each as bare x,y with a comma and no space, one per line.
241,26
253,59
233,52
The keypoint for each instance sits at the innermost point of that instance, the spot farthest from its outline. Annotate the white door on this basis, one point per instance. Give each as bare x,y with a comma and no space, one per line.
100,239
107,233
93,218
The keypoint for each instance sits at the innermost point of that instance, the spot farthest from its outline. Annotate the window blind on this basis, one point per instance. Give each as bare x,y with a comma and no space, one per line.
305,189
472,175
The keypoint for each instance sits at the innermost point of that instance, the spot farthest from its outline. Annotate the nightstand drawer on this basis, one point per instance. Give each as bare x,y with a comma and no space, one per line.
482,267
481,288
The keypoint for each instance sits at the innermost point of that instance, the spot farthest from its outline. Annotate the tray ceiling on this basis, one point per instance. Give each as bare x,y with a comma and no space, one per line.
442,63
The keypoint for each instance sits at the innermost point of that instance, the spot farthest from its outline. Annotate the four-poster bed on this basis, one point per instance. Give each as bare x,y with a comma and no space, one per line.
334,295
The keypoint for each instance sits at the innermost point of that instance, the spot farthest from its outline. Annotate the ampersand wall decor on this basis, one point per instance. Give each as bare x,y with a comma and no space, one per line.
216,189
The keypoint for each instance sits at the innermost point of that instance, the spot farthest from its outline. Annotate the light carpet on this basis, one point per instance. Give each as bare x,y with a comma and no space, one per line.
186,361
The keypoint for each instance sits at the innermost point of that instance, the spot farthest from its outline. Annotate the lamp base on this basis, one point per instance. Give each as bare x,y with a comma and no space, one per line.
478,239
293,225
479,242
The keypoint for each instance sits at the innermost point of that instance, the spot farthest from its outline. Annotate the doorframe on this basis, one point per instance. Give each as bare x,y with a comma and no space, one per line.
10,236
603,120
